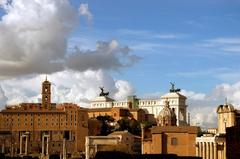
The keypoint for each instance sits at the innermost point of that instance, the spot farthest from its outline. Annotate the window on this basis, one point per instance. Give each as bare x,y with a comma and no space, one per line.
173,141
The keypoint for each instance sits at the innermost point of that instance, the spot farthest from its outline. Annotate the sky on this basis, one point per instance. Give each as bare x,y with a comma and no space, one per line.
129,47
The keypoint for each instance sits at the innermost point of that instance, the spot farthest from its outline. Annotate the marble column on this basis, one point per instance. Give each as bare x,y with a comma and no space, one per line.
204,150
215,151
64,148
20,145
200,149
197,149
207,150
43,145
211,151
26,145
47,145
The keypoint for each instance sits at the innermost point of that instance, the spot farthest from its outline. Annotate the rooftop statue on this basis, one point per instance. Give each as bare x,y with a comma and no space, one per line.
105,94
173,88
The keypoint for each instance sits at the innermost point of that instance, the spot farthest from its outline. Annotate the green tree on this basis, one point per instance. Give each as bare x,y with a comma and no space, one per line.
106,127
131,125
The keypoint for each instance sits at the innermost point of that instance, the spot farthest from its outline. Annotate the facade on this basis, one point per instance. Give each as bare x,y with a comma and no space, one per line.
44,127
219,143
178,140
211,146
177,102
118,113
116,141
132,142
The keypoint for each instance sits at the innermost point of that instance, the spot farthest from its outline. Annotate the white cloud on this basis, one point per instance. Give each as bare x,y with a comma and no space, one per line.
203,106
67,86
33,36
3,98
146,34
84,11
222,44
108,56
34,40
193,95
224,40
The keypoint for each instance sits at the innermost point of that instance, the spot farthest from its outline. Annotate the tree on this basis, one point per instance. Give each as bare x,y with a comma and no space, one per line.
131,125
106,127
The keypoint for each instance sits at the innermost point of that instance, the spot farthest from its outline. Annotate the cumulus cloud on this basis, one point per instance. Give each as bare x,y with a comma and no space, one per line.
34,38
84,10
67,86
193,95
3,98
203,106
107,56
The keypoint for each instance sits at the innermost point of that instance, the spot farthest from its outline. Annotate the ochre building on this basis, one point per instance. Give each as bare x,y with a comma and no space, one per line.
43,128
178,140
118,113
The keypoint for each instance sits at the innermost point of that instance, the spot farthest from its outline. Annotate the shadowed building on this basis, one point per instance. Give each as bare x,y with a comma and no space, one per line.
222,144
167,138
171,140
45,128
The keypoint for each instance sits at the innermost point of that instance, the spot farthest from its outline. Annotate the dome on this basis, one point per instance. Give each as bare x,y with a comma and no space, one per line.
225,108
166,112
166,116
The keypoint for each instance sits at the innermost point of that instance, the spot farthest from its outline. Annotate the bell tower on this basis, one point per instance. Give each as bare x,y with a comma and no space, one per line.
46,94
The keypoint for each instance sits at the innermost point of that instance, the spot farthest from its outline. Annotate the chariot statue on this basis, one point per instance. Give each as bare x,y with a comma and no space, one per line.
105,94
173,88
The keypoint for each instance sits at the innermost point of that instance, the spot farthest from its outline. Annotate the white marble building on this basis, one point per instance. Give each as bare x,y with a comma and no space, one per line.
176,100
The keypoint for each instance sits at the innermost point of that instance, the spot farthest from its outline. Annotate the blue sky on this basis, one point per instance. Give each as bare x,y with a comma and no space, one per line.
195,44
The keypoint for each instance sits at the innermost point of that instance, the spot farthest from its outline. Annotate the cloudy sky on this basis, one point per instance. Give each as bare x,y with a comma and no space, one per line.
129,47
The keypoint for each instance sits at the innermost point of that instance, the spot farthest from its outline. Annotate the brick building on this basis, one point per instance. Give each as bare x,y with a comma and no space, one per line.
167,138
44,127
178,140
118,113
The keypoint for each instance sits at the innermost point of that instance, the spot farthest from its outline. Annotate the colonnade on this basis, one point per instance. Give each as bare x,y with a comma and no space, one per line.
43,145
209,150
25,135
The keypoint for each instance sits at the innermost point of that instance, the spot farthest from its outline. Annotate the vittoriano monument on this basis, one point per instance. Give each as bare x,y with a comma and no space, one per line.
105,94
173,88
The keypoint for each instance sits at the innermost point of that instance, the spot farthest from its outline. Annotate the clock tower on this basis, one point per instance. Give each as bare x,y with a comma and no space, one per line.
46,94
